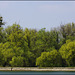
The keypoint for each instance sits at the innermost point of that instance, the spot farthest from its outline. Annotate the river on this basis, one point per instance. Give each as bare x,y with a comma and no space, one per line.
35,73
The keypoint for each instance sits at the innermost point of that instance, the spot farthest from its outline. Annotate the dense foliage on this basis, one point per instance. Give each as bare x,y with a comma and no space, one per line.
29,47
49,59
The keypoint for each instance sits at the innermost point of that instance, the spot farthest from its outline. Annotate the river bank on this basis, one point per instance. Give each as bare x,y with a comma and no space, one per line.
37,69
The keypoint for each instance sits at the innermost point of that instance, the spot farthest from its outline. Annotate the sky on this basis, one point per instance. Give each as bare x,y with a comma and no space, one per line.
37,14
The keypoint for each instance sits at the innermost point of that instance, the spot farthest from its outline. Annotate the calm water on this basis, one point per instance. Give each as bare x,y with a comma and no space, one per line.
36,73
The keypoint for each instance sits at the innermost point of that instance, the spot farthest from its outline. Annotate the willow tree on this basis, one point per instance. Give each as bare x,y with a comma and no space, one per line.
49,59
67,52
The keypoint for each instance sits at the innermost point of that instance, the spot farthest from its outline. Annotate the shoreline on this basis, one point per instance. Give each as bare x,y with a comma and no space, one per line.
37,69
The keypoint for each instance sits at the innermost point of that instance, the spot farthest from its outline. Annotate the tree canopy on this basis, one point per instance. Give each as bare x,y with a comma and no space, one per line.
31,47
67,52
49,59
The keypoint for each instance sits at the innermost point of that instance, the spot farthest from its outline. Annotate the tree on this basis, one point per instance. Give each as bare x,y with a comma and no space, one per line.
1,56
49,59
7,52
67,31
1,23
17,61
67,52
27,36
2,33
30,38
15,35
37,48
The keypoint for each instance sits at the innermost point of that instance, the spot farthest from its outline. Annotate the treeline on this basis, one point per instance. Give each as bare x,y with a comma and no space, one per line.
29,47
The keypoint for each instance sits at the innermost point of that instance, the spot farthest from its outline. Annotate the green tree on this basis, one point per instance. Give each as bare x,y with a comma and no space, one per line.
1,55
67,31
15,35
46,41
2,33
67,52
30,38
49,59
17,61
27,36
7,52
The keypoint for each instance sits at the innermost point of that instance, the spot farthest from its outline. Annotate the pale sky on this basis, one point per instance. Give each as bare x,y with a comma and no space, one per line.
37,14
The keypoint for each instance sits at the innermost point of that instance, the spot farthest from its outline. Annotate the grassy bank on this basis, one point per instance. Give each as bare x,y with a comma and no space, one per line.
37,68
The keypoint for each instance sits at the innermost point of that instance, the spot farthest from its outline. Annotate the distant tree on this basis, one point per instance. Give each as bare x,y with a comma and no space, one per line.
1,23
37,48
27,36
49,59
17,61
30,38
67,52
67,31
15,35
7,52
2,33
1,56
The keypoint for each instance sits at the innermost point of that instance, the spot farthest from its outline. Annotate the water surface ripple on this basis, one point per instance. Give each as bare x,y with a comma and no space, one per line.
35,73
